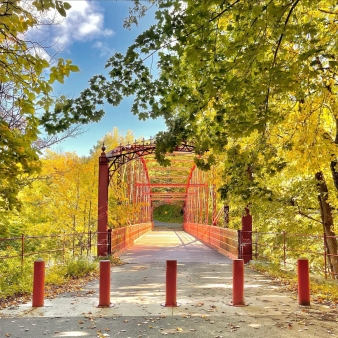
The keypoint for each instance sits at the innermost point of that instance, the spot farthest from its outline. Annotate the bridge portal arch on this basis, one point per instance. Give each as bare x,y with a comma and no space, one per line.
148,184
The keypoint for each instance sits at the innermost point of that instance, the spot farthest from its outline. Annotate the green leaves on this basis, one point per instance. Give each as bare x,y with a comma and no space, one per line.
24,89
251,84
45,5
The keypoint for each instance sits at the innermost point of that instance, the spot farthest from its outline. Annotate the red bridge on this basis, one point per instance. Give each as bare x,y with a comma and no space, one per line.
144,184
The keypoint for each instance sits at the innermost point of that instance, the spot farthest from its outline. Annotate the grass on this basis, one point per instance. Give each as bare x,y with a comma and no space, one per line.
17,281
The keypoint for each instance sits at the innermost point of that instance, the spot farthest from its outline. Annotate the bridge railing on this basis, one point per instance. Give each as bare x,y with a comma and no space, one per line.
223,240
274,247
120,239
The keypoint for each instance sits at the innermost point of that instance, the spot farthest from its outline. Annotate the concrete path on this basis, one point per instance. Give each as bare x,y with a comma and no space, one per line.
169,226
159,246
204,291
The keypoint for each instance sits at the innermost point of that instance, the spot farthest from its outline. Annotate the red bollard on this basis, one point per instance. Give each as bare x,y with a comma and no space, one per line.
39,283
238,282
170,284
104,284
303,282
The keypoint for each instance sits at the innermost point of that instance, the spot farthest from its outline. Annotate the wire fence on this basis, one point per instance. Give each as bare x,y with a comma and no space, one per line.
62,253
286,248
58,247
276,247
50,247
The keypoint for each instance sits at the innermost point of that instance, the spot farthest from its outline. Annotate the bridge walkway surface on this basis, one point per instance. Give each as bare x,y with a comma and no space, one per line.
204,291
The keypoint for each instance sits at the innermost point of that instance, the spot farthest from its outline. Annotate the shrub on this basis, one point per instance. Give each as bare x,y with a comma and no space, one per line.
79,267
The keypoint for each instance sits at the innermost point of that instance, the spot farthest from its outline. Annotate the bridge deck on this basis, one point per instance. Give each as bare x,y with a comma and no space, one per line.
159,246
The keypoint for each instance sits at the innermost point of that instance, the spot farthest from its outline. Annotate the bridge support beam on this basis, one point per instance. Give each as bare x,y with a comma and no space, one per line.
102,243
246,237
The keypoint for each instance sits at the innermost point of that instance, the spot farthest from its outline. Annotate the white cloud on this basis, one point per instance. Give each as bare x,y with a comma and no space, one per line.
84,22
104,48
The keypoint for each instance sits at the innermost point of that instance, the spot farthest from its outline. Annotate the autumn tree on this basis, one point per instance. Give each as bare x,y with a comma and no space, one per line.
27,73
62,198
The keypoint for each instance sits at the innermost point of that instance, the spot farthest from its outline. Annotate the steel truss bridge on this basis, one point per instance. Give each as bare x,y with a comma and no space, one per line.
139,184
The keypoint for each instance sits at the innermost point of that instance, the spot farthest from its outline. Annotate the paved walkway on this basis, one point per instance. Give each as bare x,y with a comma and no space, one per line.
204,290
167,226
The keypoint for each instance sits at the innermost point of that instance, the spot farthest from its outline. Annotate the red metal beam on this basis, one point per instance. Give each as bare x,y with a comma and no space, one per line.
167,177
177,160
169,194
124,154
168,198
168,185
103,204
169,168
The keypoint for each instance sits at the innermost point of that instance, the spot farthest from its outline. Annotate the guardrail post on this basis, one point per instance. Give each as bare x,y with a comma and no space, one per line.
246,240
238,282
90,242
22,249
104,284
38,283
171,283
64,246
109,240
239,249
284,247
325,255
256,244
303,282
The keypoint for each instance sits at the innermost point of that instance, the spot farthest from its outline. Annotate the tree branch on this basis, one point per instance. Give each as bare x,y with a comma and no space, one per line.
307,216
282,35
327,12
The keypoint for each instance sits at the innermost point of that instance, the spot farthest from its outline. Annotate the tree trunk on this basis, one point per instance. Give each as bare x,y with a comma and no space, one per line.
327,219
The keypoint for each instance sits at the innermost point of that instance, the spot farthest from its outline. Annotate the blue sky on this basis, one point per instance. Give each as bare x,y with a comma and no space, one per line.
89,35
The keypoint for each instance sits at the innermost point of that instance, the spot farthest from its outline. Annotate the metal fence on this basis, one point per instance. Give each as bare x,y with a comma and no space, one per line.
60,246
286,248
121,239
223,240
282,248
49,247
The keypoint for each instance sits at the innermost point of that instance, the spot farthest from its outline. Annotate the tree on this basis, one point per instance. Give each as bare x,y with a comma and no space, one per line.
252,82
237,60
63,196
27,73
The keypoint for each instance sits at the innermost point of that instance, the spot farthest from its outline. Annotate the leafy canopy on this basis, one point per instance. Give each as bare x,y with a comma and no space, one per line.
227,71
26,77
